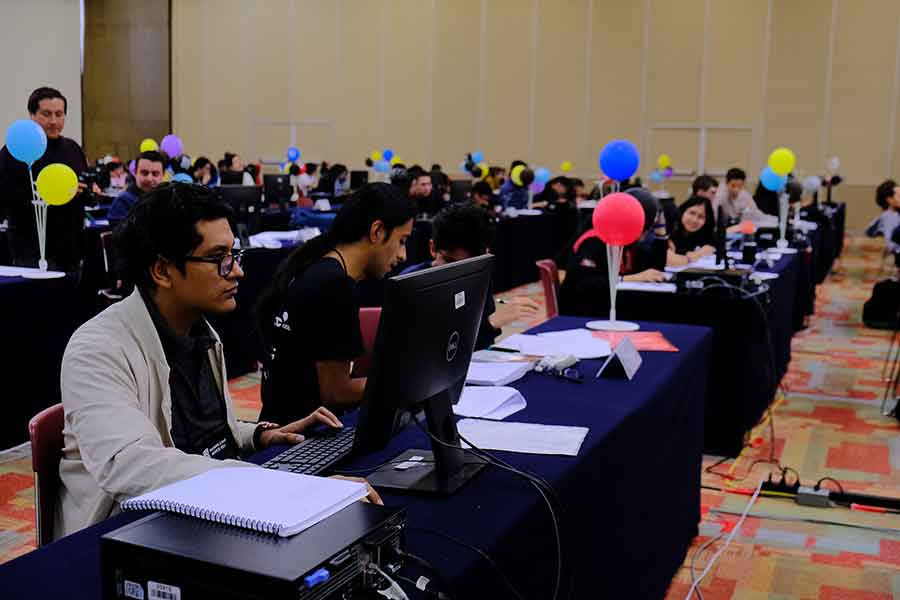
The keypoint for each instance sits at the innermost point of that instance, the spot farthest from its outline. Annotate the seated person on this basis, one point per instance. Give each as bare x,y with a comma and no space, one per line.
463,231
512,195
888,200
585,290
148,173
694,233
420,189
118,179
559,193
143,383
496,177
232,171
483,196
736,202
309,315
581,192
333,180
204,172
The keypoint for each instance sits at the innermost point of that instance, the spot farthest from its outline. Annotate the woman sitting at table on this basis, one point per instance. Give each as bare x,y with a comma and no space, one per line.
694,233
585,290
558,194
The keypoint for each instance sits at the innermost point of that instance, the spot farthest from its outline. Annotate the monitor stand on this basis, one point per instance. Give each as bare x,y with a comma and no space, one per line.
444,469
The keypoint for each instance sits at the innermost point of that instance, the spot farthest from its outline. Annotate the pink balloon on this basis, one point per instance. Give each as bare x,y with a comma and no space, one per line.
618,219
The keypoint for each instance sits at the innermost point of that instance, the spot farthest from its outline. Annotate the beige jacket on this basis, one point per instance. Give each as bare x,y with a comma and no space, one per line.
118,442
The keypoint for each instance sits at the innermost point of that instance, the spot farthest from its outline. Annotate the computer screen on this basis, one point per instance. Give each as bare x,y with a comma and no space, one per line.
429,323
460,190
245,202
277,189
358,179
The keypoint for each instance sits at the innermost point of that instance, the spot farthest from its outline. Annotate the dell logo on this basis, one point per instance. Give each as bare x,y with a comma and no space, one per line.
452,346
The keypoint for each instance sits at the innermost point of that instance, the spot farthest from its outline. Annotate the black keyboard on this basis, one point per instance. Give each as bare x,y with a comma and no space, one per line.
316,453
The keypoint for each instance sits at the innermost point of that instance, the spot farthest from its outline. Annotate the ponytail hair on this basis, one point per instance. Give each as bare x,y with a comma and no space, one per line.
373,202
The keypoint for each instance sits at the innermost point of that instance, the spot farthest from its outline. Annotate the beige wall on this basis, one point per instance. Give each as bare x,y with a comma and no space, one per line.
40,45
713,83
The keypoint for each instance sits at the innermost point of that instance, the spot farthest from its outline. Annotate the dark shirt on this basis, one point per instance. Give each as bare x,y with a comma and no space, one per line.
513,195
487,333
65,224
199,417
123,203
318,321
688,242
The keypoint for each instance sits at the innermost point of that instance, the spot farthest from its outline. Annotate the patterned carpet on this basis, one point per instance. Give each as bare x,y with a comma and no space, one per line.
827,422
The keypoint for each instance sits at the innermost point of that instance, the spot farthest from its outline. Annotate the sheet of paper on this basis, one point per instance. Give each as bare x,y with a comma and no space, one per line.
494,402
763,275
499,356
496,373
7,271
646,286
577,342
527,438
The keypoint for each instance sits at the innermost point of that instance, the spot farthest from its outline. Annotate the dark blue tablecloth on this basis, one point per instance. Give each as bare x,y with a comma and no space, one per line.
631,497
751,348
37,317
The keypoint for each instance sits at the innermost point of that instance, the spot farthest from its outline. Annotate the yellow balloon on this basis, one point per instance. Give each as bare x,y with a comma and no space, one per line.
167,176
664,161
57,184
516,174
484,169
287,167
396,160
375,156
782,161
149,145
566,166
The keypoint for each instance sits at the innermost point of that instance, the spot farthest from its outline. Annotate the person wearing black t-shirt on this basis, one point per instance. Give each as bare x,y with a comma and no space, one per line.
694,234
65,224
309,316
463,231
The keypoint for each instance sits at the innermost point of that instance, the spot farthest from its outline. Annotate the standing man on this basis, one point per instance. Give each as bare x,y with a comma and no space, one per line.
148,174
65,224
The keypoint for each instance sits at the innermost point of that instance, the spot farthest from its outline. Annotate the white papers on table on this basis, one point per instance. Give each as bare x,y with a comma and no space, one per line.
7,271
494,402
647,286
763,275
496,373
705,262
528,438
498,356
577,342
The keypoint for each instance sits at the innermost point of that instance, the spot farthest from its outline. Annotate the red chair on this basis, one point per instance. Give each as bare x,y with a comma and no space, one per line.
46,432
368,326
550,281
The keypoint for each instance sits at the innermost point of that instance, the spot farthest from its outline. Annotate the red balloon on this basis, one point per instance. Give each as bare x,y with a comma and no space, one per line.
619,219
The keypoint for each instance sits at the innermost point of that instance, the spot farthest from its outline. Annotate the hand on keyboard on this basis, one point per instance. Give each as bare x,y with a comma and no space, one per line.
290,433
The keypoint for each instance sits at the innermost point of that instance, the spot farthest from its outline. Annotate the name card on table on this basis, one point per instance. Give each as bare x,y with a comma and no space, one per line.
624,361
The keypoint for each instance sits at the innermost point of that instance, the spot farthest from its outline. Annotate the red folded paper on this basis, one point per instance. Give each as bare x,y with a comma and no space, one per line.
644,341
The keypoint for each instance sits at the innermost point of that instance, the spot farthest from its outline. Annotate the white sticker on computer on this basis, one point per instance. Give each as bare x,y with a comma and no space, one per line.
161,591
133,590
459,299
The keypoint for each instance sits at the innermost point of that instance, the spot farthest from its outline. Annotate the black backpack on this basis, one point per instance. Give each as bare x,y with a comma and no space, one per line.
880,311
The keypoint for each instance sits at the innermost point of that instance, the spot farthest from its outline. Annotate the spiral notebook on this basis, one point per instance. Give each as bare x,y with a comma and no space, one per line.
259,499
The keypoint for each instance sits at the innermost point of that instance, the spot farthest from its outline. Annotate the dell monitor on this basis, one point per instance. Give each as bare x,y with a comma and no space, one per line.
460,190
245,202
358,179
425,340
278,189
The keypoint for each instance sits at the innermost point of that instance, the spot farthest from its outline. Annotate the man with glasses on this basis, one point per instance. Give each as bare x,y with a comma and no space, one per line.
463,231
144,386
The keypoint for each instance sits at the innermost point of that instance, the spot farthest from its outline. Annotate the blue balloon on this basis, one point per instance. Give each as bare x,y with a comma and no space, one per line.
383,166
541,175
293,154
387,154
183,178
772,181
26,141
477,156
656,177
619,160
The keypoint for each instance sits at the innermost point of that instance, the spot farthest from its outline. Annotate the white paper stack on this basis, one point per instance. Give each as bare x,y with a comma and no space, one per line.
577,342
495,402
528,438
496,373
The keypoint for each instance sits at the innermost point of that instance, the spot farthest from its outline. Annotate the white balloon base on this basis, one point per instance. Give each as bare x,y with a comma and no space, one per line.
782,244
612,325
43,275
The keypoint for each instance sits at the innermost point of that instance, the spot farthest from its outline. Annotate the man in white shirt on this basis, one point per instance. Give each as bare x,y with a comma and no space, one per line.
735,200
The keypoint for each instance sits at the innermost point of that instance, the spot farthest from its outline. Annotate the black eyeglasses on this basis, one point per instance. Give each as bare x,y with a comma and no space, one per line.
225,262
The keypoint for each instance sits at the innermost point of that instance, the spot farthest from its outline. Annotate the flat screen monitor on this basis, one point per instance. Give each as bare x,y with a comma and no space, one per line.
426,336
